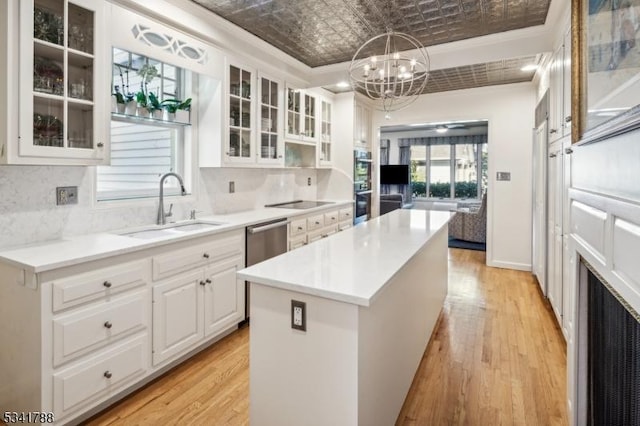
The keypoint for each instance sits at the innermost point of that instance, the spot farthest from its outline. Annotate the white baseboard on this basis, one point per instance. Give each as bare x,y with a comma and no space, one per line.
509,265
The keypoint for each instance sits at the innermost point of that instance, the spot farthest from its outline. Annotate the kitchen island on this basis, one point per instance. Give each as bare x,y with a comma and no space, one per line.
372,296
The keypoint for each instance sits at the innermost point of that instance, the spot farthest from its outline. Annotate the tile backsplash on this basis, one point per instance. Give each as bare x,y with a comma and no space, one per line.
29,214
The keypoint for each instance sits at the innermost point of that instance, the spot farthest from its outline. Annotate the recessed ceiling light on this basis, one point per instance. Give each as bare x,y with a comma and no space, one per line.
343,84
530,67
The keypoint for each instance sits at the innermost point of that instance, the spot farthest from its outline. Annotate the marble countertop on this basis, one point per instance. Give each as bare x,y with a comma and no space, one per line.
352,266
46,256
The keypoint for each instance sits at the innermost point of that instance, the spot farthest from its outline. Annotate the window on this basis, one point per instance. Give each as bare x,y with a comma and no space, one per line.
453,167
143,149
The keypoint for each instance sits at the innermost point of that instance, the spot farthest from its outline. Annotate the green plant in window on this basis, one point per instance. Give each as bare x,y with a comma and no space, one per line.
148,73
153,103
123,95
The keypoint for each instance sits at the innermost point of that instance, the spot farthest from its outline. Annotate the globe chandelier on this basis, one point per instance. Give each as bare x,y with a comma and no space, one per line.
393,68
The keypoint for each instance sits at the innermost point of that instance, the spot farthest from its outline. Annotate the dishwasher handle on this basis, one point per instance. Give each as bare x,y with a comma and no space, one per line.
262,228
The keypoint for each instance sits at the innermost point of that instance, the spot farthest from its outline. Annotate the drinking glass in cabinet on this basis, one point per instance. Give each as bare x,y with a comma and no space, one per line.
234,112
234,142
48,24
47,74
246,143
246,85
80,35
80,77
234,81
80,126
48,119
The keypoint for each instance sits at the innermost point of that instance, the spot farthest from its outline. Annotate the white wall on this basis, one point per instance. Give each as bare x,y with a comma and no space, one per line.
28,211
510,112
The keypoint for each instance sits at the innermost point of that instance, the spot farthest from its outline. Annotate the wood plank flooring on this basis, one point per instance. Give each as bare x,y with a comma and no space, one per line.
497,358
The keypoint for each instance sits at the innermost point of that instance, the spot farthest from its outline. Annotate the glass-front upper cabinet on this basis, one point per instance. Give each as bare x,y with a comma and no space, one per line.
325,136
62,69
270,149
301,116
240,119
294,113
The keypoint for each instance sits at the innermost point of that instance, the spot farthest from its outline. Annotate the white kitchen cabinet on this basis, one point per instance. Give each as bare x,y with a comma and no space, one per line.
178,320
560,90
326,146
315,226
301,116
101,328
58,82
566,84
555,203
239,146
223,295
271,143
362,124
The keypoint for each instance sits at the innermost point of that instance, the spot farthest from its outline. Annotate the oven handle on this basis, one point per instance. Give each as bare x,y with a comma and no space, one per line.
364,160
364,192
258,229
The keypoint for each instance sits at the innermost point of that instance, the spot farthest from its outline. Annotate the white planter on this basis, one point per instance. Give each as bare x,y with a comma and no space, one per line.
182,116
157,114
114,104
130,108
120,108
168,116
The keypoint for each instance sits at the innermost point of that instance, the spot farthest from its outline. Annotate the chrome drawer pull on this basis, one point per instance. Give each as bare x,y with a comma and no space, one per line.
206,255
107,284
108,374
108,324
208,281
202,282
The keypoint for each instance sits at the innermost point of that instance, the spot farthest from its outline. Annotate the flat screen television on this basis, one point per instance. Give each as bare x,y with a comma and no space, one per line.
397,174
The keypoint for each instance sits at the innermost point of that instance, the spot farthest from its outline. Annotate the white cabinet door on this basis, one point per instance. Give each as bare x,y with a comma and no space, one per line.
177,315
554,229
223,296
62,114
270,149
566,90
568,288
556,95
239,146
326,148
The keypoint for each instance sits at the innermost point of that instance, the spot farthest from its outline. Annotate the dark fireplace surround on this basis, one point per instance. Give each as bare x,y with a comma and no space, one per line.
610,357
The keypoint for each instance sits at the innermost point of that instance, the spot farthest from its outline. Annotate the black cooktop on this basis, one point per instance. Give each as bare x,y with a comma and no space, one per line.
300,204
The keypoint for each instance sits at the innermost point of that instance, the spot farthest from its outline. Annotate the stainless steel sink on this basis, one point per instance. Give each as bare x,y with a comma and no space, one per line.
174,229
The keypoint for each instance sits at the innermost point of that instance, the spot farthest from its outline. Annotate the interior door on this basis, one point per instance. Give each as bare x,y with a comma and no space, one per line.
539,260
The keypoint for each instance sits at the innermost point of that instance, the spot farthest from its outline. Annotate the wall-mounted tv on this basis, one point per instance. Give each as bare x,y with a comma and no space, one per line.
397,174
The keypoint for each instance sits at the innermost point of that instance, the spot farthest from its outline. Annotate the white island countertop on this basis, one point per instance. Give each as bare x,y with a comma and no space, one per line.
352,266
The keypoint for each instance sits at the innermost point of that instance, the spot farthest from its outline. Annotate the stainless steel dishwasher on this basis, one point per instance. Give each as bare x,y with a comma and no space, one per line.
264,241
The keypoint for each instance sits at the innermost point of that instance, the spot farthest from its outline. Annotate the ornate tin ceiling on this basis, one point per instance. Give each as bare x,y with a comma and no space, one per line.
322,32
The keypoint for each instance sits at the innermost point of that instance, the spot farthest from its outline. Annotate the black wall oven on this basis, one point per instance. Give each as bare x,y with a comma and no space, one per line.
362,165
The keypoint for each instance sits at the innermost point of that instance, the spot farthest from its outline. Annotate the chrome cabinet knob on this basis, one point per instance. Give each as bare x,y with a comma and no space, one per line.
208,281
205,255
107,284
100,145
568,151
202,283
108,324
108,374
553,131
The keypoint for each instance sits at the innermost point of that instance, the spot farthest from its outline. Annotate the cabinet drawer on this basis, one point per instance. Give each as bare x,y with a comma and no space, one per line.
98,325
346,214
185,259
345,225
99,377
329,231
297,242
331,218
82,288
297,227
315,222
314,236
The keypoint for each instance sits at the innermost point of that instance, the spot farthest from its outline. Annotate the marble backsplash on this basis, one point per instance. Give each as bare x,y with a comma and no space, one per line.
29,214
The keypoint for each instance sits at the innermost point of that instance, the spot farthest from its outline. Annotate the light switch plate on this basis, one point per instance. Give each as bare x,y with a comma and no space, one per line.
66,195
232,187
503,176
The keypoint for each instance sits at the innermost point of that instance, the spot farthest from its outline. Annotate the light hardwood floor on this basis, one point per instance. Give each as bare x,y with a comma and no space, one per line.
497,358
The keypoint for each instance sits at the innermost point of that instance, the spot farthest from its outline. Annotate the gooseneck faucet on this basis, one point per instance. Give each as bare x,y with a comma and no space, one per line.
162,217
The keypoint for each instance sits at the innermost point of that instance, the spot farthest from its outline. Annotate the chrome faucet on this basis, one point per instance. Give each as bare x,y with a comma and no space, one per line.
162,217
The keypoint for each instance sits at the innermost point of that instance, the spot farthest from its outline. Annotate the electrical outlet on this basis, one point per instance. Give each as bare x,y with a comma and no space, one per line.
232,187
66,195
308,181
298,315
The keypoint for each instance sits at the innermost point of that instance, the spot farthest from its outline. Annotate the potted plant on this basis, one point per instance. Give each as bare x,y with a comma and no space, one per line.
182,113
148,73
154,106
170,106
125,103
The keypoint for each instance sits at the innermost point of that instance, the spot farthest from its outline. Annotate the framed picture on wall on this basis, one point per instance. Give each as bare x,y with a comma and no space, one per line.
606,68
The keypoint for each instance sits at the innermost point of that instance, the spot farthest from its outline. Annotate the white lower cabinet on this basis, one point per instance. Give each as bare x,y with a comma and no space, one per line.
100,376
178,322
96,330
314,227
